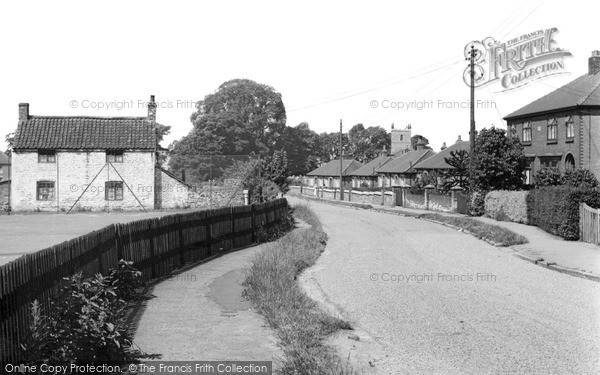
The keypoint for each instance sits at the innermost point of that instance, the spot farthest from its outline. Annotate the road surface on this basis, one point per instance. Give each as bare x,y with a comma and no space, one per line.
425,298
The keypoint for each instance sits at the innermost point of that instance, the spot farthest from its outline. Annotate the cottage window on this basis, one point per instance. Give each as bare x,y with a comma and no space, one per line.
114,191
45,190
527,132
570,129
552,133
46,156
114,156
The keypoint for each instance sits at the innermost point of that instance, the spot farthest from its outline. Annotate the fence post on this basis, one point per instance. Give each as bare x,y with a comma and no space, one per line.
151,231
119,241
253,215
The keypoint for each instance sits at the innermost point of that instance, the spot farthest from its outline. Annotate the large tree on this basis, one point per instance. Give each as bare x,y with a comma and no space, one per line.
302,147
415,139
499,161
366,144
241,118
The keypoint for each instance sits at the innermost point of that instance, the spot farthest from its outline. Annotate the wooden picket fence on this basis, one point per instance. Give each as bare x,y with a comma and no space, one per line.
589,224
157,246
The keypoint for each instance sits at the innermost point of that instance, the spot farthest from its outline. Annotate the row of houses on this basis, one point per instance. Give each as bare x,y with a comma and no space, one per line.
402,167
560,130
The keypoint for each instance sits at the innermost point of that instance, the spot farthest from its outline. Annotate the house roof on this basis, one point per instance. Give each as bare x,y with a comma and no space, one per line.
437,161
85,133
4,159
370,168
332,168
405,162
583,91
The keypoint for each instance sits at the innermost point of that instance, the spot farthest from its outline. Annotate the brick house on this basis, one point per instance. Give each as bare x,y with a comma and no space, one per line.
90,163
562,129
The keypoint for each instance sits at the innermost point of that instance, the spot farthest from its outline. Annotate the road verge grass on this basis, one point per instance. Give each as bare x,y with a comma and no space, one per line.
492,233
271,285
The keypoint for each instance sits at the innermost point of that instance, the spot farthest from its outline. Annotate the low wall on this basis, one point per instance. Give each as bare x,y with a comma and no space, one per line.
367,197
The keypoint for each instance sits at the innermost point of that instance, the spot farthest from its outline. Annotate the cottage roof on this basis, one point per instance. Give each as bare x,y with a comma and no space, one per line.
85,133
332,168
581,92
3,158
405,162
437,161
370,168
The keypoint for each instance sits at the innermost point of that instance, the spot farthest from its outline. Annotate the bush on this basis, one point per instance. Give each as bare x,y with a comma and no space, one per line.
555,209
504,205
477,203
86,322
580,178
548,177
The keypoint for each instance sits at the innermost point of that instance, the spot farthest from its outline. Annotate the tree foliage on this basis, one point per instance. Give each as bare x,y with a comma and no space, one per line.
415,139
459,175
365,144
9,139
499,161
241,118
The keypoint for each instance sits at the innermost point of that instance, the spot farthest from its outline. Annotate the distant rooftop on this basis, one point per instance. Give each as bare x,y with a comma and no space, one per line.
332,168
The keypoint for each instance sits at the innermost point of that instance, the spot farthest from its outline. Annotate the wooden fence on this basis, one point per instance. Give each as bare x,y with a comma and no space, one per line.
589,224
157,246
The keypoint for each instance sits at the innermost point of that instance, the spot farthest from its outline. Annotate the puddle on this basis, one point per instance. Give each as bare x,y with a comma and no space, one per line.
226,291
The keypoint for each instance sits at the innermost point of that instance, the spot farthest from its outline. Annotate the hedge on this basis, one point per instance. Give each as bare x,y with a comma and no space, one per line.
504,205
555,209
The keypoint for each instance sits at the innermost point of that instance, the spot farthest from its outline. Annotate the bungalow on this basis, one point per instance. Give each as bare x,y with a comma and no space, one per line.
562,129
436,164
90,163
328,175
366,176
400,170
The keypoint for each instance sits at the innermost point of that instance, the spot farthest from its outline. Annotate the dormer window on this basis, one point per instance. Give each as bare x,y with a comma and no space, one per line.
46,156
114,156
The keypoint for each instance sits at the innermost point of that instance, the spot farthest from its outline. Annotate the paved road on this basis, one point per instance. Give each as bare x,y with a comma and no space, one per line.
434,300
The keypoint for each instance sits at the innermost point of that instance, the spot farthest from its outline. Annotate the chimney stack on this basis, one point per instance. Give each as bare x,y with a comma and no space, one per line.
152,109
594,63
443,146
459,139
183,175
23,111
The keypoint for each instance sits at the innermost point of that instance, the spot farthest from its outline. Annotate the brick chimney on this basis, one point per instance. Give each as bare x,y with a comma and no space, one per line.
594,63
23,111
443,146
152,109
459,139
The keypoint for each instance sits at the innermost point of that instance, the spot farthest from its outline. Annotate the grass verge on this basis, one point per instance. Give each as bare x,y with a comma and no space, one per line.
298,321
481,230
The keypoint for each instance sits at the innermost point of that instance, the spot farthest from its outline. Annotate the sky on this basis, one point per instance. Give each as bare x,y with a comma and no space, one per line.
375,63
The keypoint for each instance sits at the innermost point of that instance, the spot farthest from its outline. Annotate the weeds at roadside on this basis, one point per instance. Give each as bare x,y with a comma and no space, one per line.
490,232
298,320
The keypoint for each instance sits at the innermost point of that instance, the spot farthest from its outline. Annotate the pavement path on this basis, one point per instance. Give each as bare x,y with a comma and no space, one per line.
425,298
200,315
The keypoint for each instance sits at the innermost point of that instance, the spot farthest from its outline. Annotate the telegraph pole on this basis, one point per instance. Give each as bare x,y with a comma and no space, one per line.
472,54
341,165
